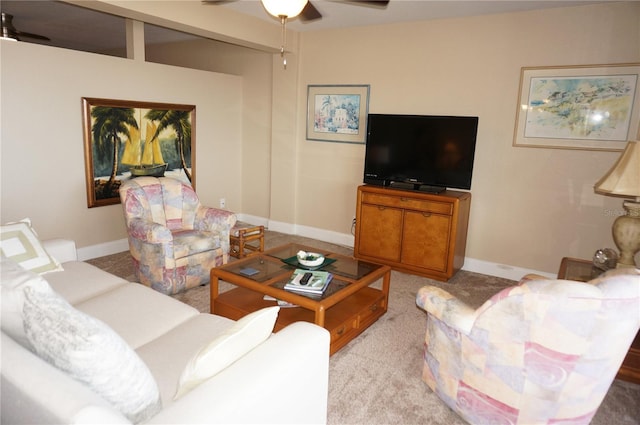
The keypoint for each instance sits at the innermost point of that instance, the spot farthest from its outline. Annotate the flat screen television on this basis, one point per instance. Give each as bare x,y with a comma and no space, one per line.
420,152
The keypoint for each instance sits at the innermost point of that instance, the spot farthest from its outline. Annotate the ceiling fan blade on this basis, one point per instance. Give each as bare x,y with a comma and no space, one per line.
30,35
9,31
309,13
375,3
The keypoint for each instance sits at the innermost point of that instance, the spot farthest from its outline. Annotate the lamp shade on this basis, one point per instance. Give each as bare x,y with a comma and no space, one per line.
624,177
287,8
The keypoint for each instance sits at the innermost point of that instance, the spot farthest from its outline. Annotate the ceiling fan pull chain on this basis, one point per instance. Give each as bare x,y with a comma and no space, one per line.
283,20
284,9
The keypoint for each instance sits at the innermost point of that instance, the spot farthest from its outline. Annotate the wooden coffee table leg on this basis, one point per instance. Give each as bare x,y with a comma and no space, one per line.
213,292
320,316
386,285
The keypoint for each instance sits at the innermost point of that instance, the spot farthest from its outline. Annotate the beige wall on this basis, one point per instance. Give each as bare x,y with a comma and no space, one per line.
530,207
42,174
255,68
271,99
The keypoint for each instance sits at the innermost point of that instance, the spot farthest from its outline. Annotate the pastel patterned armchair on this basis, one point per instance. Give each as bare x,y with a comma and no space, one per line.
173,239
541,352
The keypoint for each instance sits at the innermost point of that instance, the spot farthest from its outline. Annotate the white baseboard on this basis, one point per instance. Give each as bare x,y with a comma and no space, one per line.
326,235
252,219
278,226
500,270
100,250
311,232
470,264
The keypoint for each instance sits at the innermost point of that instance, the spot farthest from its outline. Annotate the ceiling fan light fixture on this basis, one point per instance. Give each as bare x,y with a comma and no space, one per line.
283,10
287,8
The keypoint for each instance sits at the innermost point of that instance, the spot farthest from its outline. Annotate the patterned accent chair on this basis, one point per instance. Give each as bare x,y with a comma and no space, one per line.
541,352
173,239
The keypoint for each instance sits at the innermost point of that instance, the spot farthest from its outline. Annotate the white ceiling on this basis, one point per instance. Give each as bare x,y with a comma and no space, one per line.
84,29
343,14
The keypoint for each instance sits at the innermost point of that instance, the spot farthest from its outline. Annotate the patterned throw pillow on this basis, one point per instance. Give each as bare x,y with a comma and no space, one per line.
91,352
13,280
20,243
238,340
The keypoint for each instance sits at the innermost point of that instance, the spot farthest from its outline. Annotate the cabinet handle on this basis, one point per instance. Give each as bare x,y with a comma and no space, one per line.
373,307
340,331
381,208
403,199
426,214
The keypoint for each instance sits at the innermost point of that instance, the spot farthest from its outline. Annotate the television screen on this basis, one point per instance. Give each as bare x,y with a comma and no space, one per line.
421,152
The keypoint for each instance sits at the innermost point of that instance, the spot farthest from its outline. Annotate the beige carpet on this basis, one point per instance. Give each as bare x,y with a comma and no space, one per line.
375,379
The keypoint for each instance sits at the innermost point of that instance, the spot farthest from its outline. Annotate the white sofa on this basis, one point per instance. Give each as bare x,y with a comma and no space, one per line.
282,380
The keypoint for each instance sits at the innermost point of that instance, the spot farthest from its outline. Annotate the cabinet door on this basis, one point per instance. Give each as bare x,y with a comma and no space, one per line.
426,240
380,232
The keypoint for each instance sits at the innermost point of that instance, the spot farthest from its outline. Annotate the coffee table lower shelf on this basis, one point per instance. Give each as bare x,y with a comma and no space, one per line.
344,321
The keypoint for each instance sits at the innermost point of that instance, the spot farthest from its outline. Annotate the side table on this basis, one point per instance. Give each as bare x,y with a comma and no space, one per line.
578,269
584,271
240,237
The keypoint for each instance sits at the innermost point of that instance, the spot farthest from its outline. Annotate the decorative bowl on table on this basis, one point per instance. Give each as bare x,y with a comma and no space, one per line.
310,259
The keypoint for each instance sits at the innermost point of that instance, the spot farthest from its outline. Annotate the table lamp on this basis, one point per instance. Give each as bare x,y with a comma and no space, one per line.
623,179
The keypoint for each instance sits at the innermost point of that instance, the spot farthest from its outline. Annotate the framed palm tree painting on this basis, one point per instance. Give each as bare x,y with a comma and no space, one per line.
128,139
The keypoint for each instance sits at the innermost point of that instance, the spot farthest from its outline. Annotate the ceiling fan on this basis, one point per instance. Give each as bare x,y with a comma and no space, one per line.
11,33
288,9
309,11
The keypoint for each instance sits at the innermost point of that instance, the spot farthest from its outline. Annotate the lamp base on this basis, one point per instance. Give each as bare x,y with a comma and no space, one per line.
626,234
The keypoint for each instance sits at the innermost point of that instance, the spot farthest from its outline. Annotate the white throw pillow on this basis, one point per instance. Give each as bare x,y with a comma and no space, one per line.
238,340
20,242
13,280
91,352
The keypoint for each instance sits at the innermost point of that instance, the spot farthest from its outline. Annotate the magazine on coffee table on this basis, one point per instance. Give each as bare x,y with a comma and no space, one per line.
309,282
281,303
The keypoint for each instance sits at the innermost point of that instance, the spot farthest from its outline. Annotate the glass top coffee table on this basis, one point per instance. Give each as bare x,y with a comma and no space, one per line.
348,306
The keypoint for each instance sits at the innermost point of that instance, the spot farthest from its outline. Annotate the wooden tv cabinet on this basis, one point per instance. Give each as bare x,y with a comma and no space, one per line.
411,231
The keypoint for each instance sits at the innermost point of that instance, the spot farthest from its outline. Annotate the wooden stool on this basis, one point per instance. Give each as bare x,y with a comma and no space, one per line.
241,236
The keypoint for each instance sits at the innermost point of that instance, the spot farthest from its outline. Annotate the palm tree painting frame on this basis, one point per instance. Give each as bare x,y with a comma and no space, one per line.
126,139
337,113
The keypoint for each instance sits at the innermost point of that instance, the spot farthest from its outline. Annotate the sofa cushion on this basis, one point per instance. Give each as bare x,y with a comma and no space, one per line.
13,280
242,337
90,352
82,281
19,242
167,355
137,313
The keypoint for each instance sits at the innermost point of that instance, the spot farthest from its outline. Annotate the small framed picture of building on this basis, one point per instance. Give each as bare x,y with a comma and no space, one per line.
337,113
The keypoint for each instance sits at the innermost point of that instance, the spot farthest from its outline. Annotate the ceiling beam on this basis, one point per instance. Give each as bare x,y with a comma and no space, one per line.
195,17
135,40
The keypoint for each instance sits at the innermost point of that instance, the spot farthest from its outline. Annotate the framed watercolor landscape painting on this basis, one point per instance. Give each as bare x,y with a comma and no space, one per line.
592,107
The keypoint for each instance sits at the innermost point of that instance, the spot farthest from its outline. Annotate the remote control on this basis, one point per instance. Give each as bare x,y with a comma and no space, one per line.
305,278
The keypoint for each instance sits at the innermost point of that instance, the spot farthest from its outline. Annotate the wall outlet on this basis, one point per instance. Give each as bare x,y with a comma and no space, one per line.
223,203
